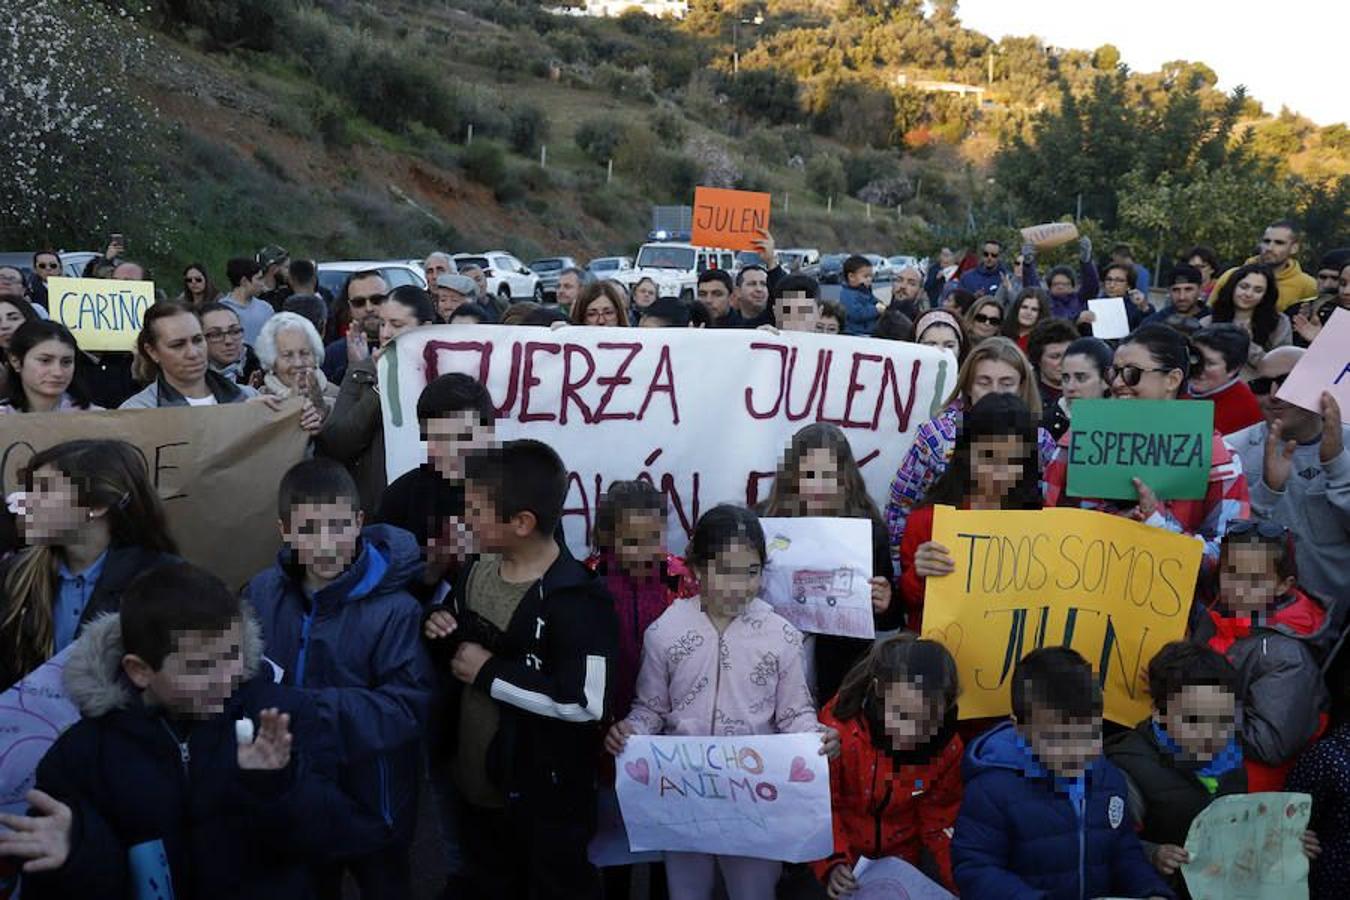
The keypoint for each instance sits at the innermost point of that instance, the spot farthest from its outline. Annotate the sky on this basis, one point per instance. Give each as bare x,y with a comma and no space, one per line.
1289,53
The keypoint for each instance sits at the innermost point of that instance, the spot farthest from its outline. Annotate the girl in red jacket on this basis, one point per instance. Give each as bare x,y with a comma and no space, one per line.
896,786
994,466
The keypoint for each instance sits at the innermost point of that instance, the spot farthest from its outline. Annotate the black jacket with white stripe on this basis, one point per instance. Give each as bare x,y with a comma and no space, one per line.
551,674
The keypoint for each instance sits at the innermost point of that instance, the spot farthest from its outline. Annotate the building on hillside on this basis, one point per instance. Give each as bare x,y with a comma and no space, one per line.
676,9
973,91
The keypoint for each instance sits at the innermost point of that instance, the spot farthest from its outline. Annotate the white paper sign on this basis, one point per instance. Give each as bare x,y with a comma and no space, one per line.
1111,321
33,714
817,574
704,415
890,878
765,796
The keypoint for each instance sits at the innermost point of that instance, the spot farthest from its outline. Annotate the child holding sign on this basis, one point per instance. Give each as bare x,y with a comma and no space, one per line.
896,786
1274,634
819,477
722,663
994,466
1044,813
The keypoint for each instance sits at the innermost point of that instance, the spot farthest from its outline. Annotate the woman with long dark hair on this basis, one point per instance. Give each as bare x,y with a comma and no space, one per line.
41,371
1249,298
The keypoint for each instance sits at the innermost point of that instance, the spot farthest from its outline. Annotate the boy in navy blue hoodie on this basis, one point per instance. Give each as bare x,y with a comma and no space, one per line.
1044,814
337,616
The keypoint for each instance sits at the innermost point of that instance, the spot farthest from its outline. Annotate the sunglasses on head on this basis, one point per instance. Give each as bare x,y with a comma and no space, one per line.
360,302
1131,375
988,320
1263,386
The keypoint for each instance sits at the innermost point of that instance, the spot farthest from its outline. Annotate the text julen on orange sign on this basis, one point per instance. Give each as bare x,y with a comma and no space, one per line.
729,219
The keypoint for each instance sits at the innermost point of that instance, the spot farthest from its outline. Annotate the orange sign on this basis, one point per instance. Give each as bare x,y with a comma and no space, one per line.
728,219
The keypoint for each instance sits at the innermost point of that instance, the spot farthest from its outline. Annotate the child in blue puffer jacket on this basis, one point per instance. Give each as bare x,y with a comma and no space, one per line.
337,617
855,295
1044,814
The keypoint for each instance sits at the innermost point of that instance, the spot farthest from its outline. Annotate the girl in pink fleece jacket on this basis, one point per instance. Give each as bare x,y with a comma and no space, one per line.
722,663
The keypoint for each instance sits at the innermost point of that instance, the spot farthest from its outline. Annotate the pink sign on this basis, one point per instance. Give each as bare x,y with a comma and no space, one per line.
1325,367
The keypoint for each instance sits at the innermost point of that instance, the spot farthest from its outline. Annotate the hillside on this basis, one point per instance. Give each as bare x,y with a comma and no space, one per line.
340,128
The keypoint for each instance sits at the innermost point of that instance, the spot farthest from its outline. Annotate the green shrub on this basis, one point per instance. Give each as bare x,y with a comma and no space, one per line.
226,24
825,176
529,128
632,83
485,163
331,121
867,165
602,204
669,125
599,139
767,146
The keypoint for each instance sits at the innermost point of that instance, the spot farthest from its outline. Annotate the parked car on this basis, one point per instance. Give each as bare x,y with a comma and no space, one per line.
507,277
881,268
830,269
902,262
675,267
607,266
396,273
795,258
549,269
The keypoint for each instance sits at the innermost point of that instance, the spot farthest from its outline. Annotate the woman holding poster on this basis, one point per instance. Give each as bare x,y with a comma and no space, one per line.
1152,364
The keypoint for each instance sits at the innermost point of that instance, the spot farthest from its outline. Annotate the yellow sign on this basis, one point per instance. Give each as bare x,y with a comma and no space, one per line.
1113,589
102,314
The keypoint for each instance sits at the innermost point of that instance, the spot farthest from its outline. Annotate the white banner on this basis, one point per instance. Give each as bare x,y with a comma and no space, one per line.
33,714
817,574
704,415
759,795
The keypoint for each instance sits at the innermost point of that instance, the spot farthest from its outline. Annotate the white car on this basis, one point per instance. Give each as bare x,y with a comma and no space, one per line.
507,277
674,266
396,273
608,266
793,258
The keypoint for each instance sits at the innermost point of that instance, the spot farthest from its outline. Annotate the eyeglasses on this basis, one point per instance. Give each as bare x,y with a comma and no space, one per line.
1131,375
1263,386
988,320
194,279
1266,530
360,302
215,337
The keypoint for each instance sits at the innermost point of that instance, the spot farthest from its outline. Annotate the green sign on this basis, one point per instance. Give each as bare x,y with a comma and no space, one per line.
1164,443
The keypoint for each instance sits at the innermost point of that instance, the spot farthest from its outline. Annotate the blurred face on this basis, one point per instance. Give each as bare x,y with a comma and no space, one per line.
200,675
1201,718
1079,377
989,255
602,312
1247,579
490,535
1185,296
1115,283
910,717
996,464
52,513
818,482
1213,372
179,349
295,359
569,288
644,295
47,369
638,540
730,580
1277,245
10,320
861,278
1028,312
908,284
435,267
1248,293
986,321
46,265
715,298
364,297
942,336
451,438
323,536
447,301
1063,744
224,337
993,376
797,312
1060,286
1133,363
1052,357
396,319
1205,268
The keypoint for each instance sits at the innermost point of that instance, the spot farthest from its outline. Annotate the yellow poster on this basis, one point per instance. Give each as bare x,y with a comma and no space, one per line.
1112,589
103,314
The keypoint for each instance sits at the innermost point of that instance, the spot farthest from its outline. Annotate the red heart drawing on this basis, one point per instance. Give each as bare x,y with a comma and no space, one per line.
638,771
800,771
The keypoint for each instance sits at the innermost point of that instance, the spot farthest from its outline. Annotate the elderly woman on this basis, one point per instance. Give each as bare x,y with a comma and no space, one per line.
289,349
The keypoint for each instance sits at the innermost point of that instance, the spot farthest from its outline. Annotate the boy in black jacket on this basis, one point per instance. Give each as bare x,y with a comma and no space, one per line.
531,635
161,789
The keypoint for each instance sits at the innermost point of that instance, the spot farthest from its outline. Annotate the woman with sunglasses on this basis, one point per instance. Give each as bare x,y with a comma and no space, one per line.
1152,364
197,286
984,319
1249,299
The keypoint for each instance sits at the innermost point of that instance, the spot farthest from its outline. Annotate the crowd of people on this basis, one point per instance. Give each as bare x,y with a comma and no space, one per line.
437,630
